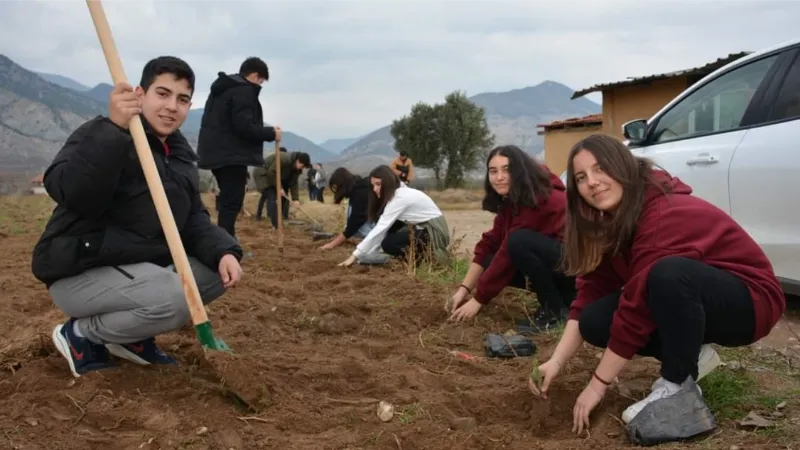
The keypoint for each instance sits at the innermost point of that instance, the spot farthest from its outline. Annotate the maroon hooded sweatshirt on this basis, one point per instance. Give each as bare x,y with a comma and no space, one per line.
547,218
678,224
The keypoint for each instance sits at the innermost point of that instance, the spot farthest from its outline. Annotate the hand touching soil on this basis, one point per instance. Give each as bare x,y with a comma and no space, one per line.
547,372
586,402
456,300
466,311
348,262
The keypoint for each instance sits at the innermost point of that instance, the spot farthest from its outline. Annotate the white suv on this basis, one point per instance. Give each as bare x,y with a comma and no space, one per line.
734,137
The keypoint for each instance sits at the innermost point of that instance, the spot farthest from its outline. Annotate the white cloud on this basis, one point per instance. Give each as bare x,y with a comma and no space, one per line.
344,68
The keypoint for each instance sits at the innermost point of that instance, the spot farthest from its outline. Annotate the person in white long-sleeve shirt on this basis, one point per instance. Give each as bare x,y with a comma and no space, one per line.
393,206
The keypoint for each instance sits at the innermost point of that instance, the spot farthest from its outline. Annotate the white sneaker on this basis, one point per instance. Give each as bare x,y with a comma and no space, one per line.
662,389
706,362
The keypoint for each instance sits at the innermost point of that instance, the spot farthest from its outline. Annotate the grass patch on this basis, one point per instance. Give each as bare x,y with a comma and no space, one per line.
749,382
730,394
410,413
452,273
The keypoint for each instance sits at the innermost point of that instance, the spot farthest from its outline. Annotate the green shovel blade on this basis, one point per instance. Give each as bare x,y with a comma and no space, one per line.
206,337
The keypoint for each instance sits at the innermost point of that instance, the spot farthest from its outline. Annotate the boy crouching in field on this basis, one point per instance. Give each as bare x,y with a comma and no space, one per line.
103,255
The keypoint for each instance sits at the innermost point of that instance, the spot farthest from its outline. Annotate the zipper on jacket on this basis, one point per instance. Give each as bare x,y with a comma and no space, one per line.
124,272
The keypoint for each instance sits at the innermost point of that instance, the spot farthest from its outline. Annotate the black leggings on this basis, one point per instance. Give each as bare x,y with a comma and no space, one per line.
691,304
398,240
536,257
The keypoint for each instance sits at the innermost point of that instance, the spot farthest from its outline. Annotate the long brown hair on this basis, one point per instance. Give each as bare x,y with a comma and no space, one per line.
529,182
389,184
590,234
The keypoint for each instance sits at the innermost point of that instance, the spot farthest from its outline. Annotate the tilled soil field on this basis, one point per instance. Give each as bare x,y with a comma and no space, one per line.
316,347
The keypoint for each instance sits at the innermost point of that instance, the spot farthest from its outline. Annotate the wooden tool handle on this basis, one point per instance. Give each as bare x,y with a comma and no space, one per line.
279,192
145,154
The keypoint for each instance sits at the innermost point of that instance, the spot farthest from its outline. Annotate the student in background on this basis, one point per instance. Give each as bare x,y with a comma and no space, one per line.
292,165
392,207
403,168
355,189
524,243
661,273
312,186
320,181
232,135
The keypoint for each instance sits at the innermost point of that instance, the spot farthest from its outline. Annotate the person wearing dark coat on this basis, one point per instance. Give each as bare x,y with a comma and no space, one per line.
232,135
103,255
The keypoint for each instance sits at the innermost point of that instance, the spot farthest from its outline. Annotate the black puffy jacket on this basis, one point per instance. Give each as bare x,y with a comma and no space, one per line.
105,215
232,130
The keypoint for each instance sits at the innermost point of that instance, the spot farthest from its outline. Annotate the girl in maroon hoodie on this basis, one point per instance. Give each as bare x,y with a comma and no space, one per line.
661,273
524,243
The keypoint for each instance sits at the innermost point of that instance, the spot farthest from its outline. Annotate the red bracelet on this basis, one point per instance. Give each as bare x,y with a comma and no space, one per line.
600,379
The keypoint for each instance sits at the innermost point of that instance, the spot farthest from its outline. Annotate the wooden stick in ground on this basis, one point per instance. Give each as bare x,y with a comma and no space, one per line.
412,257
279,193
196,309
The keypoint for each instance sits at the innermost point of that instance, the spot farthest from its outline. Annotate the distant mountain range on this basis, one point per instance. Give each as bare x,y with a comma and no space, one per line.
513,117
38,111
336,146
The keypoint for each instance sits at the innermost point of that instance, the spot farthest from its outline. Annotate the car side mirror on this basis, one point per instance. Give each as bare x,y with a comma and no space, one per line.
635,131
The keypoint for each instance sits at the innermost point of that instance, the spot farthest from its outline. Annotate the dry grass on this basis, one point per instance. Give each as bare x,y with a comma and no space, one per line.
330,216
457,199
21,214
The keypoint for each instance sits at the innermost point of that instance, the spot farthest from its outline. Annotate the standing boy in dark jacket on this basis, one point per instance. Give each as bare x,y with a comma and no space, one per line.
103,254
292,165
232,135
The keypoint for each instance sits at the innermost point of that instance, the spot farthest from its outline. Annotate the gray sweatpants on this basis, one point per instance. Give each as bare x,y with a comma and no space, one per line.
125,304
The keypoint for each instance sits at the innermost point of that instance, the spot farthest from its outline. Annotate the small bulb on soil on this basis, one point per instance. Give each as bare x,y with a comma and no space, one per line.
385,411
201,431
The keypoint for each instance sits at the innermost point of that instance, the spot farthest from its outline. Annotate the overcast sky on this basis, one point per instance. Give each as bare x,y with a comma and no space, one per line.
344,68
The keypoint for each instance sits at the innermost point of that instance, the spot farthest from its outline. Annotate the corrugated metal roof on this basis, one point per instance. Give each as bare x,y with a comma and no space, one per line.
632,81
595,119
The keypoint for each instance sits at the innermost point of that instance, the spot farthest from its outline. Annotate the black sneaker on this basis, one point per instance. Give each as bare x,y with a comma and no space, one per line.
144,352
82,355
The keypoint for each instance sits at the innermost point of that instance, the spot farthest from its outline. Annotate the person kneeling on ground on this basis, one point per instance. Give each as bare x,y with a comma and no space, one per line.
292,165
392,207
103,255
523,248
355,189
661,273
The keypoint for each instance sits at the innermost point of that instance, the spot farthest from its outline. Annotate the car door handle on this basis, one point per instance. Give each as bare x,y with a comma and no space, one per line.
702,159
